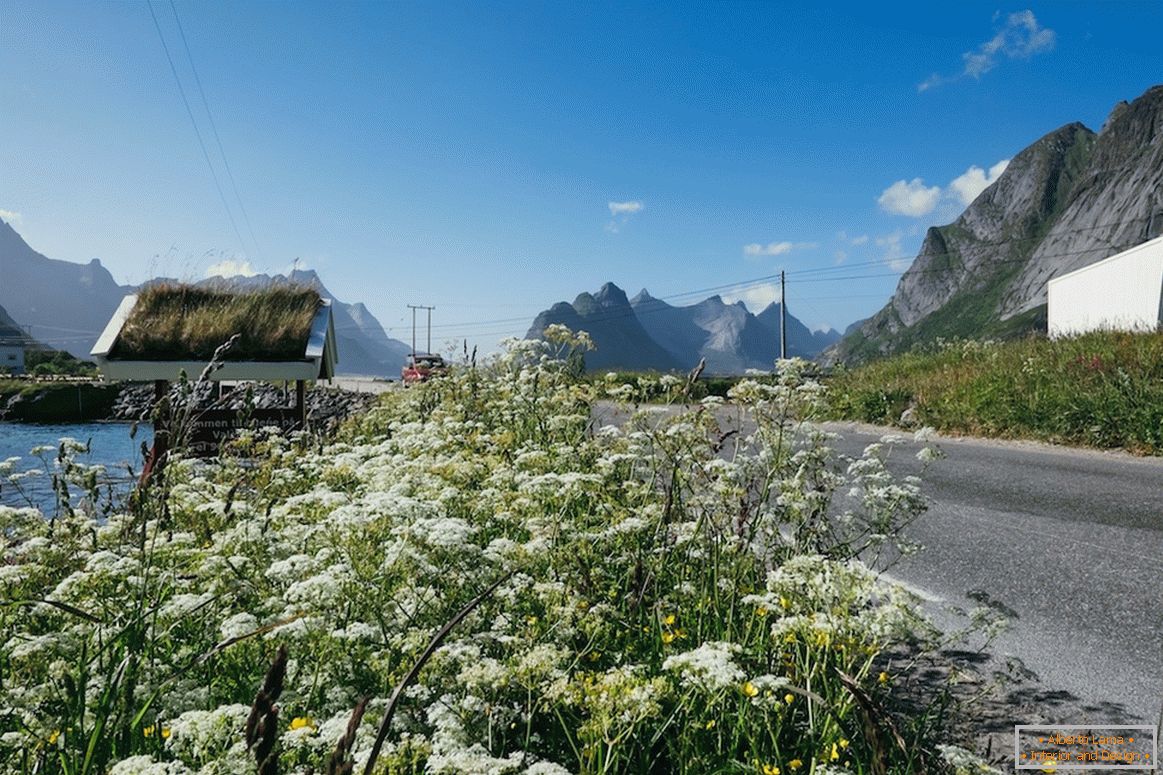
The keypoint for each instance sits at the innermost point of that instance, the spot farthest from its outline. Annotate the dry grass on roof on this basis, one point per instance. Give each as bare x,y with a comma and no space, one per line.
184,322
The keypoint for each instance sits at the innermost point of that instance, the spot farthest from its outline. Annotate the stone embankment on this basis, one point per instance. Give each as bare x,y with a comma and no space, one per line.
325,406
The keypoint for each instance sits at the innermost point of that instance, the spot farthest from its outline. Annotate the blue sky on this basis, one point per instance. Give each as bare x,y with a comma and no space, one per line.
492,158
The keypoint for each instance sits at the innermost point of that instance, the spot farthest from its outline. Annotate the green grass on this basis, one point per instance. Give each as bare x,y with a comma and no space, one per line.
183,322
1102,389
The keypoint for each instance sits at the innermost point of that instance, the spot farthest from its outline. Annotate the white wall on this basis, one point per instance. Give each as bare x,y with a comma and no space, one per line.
1121,292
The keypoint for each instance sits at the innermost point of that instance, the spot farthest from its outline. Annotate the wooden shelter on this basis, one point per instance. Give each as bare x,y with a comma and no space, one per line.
279,334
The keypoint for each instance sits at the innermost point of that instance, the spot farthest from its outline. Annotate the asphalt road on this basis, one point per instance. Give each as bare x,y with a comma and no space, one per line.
1069,542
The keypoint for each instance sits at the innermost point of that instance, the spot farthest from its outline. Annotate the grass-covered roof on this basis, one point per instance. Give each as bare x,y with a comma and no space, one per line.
185,322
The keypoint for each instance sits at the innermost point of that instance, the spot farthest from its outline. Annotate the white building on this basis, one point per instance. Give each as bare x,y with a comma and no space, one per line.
12,358
1123,293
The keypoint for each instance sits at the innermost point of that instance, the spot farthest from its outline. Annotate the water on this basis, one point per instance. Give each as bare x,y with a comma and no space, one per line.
110,445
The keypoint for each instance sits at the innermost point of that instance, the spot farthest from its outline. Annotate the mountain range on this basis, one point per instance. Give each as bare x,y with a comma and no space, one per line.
66,306
1072,198
648,333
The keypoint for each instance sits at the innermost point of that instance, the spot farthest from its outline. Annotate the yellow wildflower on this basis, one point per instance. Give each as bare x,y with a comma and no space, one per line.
761,611
835,753
770,769
667,637
789,698
749,689
710,724
843,742
795,764
784,603
302,721
882,678
52,739
148,731
668,620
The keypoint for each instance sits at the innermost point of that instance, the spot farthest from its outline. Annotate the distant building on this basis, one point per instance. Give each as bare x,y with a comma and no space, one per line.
1121,293
12,358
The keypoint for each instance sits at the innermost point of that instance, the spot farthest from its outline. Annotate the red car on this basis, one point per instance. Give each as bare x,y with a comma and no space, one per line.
421,367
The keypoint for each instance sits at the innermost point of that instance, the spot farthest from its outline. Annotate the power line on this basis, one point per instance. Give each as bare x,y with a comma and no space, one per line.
194,123
214,128
985,244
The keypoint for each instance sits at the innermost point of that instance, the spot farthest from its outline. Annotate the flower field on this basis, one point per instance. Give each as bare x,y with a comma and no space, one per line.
676,594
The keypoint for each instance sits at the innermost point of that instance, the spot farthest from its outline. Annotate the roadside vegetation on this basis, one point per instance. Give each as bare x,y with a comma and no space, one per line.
1103,389
26,400
678,594
183,321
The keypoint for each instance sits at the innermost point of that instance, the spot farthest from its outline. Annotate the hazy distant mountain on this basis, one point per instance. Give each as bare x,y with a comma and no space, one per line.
1071,198
608,317
10,331
67,305
648,333
728,336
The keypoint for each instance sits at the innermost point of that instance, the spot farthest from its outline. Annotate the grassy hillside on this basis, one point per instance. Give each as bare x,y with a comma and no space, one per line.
1102,389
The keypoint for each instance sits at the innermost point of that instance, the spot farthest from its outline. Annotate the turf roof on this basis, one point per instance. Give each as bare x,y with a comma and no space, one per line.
185,322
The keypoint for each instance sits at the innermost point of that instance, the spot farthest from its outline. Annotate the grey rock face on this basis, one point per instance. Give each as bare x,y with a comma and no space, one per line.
1116,204
1072,198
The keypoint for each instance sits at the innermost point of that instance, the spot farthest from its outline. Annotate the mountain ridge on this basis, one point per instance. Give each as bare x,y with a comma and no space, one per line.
66,305
729,337
1070,198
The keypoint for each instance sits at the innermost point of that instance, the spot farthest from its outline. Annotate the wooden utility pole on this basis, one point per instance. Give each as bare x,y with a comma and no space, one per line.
782,315
415,307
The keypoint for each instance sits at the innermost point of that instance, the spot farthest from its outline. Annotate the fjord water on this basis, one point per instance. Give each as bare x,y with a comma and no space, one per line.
110,445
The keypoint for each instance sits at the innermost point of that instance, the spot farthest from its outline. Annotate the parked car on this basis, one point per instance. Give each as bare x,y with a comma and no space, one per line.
421,367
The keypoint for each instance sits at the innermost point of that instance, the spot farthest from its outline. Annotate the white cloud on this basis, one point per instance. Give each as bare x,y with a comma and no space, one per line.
775,248
1020,37
893,251
932,81
840,256
620,212
967,186
756,298
624,208
916,200
10,217
912,198
229,267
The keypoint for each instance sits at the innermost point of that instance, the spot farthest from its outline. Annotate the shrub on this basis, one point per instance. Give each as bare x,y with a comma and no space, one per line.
681,593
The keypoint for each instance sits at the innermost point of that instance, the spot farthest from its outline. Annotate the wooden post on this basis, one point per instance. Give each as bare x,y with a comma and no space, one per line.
301,401
161,433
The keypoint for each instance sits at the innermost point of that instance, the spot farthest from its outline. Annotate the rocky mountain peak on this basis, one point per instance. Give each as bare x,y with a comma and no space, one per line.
610,295
1070,198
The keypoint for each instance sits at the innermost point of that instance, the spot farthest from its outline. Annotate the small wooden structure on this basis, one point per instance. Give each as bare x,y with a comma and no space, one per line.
165,359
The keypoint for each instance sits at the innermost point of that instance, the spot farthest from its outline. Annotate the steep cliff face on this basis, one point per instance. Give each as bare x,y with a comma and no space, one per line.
65,305
1072,198
1117,202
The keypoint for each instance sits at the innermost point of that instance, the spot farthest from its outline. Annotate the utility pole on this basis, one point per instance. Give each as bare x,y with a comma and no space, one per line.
782,315
415,307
